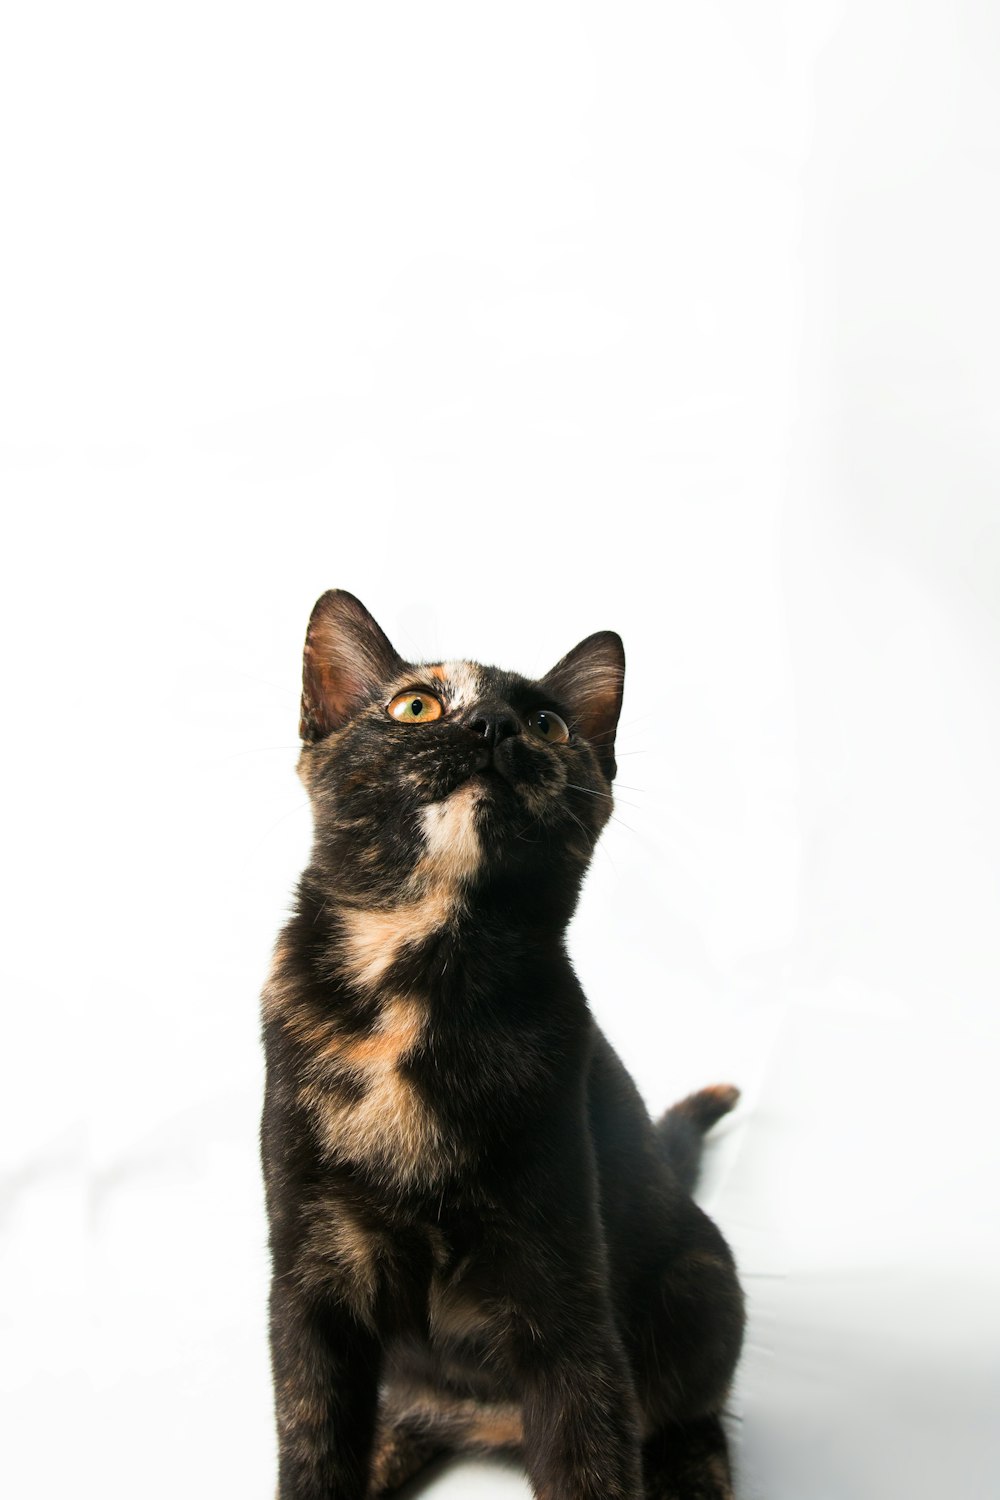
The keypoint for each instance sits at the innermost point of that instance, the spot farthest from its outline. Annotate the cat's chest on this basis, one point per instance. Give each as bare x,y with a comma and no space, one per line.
371,1100
413,1101
406,1058
464,1293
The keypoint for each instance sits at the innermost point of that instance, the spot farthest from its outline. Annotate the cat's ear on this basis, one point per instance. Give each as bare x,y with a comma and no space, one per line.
346,660
589,680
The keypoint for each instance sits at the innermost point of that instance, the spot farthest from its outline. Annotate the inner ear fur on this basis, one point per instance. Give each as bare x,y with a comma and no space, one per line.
347,658
589,680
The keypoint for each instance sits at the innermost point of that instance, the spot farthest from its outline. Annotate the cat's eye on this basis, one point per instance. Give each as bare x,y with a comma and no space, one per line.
415,708
546,725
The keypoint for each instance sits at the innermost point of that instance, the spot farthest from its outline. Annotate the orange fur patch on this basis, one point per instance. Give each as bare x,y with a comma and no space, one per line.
374,939
390,1125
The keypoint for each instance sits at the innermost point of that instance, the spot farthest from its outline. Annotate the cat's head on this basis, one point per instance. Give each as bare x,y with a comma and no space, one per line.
451,771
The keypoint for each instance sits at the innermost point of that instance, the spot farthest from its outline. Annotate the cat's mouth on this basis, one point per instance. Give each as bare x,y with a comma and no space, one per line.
496,765
496,783
490,775
501,779
486,767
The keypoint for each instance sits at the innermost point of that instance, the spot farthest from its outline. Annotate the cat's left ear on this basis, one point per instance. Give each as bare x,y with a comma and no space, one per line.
347,659
589,680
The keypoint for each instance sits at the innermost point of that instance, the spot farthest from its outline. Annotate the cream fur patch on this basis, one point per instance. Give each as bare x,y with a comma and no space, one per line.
390,1125
454,848
462,681
372,940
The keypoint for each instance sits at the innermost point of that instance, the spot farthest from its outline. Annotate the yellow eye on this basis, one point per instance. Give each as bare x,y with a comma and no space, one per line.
415,708
546,725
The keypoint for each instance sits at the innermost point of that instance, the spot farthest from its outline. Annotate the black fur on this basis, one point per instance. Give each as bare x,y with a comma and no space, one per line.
479,1238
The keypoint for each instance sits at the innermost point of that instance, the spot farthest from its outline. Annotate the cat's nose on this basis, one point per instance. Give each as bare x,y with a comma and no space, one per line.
494,723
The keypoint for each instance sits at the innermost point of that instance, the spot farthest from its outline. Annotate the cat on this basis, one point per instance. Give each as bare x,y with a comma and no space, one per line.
480,1240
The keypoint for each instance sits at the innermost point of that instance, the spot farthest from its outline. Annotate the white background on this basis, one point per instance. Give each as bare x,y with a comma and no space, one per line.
519,322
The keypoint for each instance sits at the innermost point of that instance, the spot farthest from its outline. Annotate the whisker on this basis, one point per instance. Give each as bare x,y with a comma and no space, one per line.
602,846
608,795
589,835
609,734
616,819
267,833
254,750
618,784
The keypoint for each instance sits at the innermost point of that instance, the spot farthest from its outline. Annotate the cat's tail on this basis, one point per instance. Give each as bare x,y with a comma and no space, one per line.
682,1129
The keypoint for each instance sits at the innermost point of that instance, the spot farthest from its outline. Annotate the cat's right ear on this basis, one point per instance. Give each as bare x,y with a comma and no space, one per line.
589,680
346,660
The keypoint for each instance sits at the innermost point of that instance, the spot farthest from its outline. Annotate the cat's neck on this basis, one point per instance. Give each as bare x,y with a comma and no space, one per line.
437,928
514,914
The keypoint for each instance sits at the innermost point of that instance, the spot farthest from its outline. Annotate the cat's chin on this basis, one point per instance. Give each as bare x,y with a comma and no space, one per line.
497,776
488,775
491,781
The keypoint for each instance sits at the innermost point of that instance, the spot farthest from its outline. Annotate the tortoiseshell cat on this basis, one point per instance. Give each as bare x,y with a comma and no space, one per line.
479,1238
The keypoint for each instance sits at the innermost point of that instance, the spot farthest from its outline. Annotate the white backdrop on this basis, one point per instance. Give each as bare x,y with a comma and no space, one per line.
518,322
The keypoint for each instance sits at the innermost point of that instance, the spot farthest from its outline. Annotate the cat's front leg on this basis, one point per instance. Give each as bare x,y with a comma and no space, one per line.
580,1413
581,1437
325,1367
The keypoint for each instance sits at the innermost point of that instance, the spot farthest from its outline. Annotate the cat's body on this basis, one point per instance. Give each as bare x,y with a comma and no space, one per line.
479,1238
